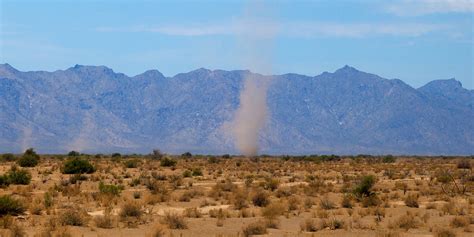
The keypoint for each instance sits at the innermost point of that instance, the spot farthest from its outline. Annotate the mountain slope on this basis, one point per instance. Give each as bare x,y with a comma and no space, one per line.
94,109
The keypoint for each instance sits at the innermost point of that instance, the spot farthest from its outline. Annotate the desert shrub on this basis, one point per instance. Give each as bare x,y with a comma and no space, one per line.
36,207
407,222
346,201
273,210
364,188
370,201
77,166
187,155
29,158
256,228
175,221
335,224
4,181
388,159
10,206
104,222
130,209
16,230
18,176
167,162
187,173
294,203
326,204
213,160
133,163
116,155
219,213
197,172
71,217
48,200
260,199
192,212
77,177
460,221
309,225
239,200
271,184
445,233
402,186
464,164
411,200
8,157
159,231
110,189
222,188
157,188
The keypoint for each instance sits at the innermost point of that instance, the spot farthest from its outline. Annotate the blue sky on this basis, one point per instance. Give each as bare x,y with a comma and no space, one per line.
416,41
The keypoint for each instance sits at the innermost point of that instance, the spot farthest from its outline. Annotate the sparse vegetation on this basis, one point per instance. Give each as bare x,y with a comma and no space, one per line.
325,193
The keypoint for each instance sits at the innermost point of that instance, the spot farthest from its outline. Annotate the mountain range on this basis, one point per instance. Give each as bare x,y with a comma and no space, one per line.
94,109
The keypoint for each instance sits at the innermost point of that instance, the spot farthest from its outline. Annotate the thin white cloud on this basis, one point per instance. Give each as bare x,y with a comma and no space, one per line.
425,7
291,29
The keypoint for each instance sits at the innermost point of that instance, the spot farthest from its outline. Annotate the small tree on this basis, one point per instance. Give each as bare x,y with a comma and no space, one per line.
73,153
156,154
29,158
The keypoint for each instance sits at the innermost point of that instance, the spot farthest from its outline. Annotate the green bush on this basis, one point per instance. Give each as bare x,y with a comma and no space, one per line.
4,181
78,166
187,173
110,189
389,159
10,206
17,176
131,163
197,172
8,157
71,217
29,159
167,162
364,188
260,199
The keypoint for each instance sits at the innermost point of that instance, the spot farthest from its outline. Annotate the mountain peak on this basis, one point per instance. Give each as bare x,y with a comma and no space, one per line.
7,67
91,69
347,69
150,74
443,84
